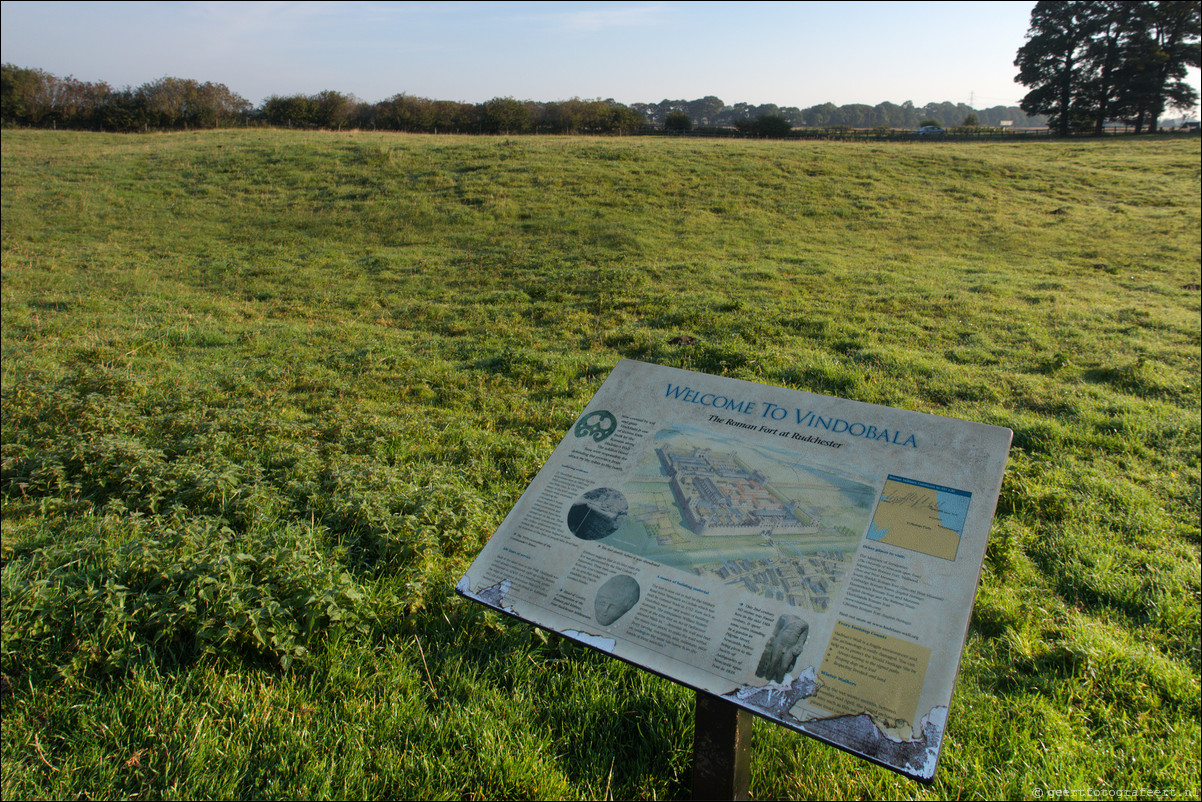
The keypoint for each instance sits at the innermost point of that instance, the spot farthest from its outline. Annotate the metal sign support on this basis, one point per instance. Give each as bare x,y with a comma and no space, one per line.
721,749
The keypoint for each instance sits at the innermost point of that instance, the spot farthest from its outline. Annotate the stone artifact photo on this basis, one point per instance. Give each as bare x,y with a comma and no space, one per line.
780,653
615,598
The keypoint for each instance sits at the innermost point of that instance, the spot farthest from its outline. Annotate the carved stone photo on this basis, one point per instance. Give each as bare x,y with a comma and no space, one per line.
615,598
781,652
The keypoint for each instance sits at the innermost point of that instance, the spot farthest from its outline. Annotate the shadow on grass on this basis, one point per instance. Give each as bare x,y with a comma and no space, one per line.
608,724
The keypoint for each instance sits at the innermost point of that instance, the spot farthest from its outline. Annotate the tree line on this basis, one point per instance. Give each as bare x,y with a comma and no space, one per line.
1089,62
31,97
502,115
711,112
36,98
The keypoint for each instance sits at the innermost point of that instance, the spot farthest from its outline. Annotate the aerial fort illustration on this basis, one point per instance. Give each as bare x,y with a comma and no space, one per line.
719,495
745,514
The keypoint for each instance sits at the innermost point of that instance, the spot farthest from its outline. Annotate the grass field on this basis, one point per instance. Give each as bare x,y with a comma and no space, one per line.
266,394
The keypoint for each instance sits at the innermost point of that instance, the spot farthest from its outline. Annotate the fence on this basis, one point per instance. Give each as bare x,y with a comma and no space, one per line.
982,133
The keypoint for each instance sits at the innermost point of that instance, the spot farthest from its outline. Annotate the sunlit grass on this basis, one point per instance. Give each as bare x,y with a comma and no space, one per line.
266,394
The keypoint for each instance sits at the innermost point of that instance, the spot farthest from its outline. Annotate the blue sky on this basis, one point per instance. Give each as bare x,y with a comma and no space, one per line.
791,54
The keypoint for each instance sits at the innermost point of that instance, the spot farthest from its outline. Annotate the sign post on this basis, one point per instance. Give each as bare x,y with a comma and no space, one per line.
721,749
810,559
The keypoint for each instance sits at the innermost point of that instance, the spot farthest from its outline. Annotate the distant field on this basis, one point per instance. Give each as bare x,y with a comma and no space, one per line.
265,394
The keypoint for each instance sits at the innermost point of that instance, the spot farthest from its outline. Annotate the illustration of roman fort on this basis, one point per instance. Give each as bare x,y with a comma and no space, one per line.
719,495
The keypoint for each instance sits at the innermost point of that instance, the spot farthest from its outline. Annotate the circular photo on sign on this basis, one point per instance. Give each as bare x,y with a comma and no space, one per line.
597,514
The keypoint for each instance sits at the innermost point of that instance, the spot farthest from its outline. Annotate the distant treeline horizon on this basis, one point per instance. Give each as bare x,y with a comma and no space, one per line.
35,98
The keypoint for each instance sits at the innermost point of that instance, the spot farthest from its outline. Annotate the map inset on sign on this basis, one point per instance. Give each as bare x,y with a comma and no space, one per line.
748,516
920,517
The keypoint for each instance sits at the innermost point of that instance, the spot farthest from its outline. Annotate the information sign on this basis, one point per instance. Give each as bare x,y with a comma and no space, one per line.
811,559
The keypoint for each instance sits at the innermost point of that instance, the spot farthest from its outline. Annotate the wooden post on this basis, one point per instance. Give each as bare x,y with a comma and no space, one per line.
721,749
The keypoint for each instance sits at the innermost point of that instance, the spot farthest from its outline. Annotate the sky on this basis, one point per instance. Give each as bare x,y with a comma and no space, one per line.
790,54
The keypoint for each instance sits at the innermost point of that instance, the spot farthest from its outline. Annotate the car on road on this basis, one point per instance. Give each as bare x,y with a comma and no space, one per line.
930,130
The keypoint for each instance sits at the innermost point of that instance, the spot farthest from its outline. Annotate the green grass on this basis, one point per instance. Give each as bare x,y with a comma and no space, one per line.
266,394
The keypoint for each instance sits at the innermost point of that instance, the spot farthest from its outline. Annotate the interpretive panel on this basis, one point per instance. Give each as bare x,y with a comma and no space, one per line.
811,559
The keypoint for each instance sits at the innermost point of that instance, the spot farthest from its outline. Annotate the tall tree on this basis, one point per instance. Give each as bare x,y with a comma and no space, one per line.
822,114
35,97
1052,61
332,109
297,111
19,89
678,122
1091,61
1164,44
1102,89
186,103
504,115
704,111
